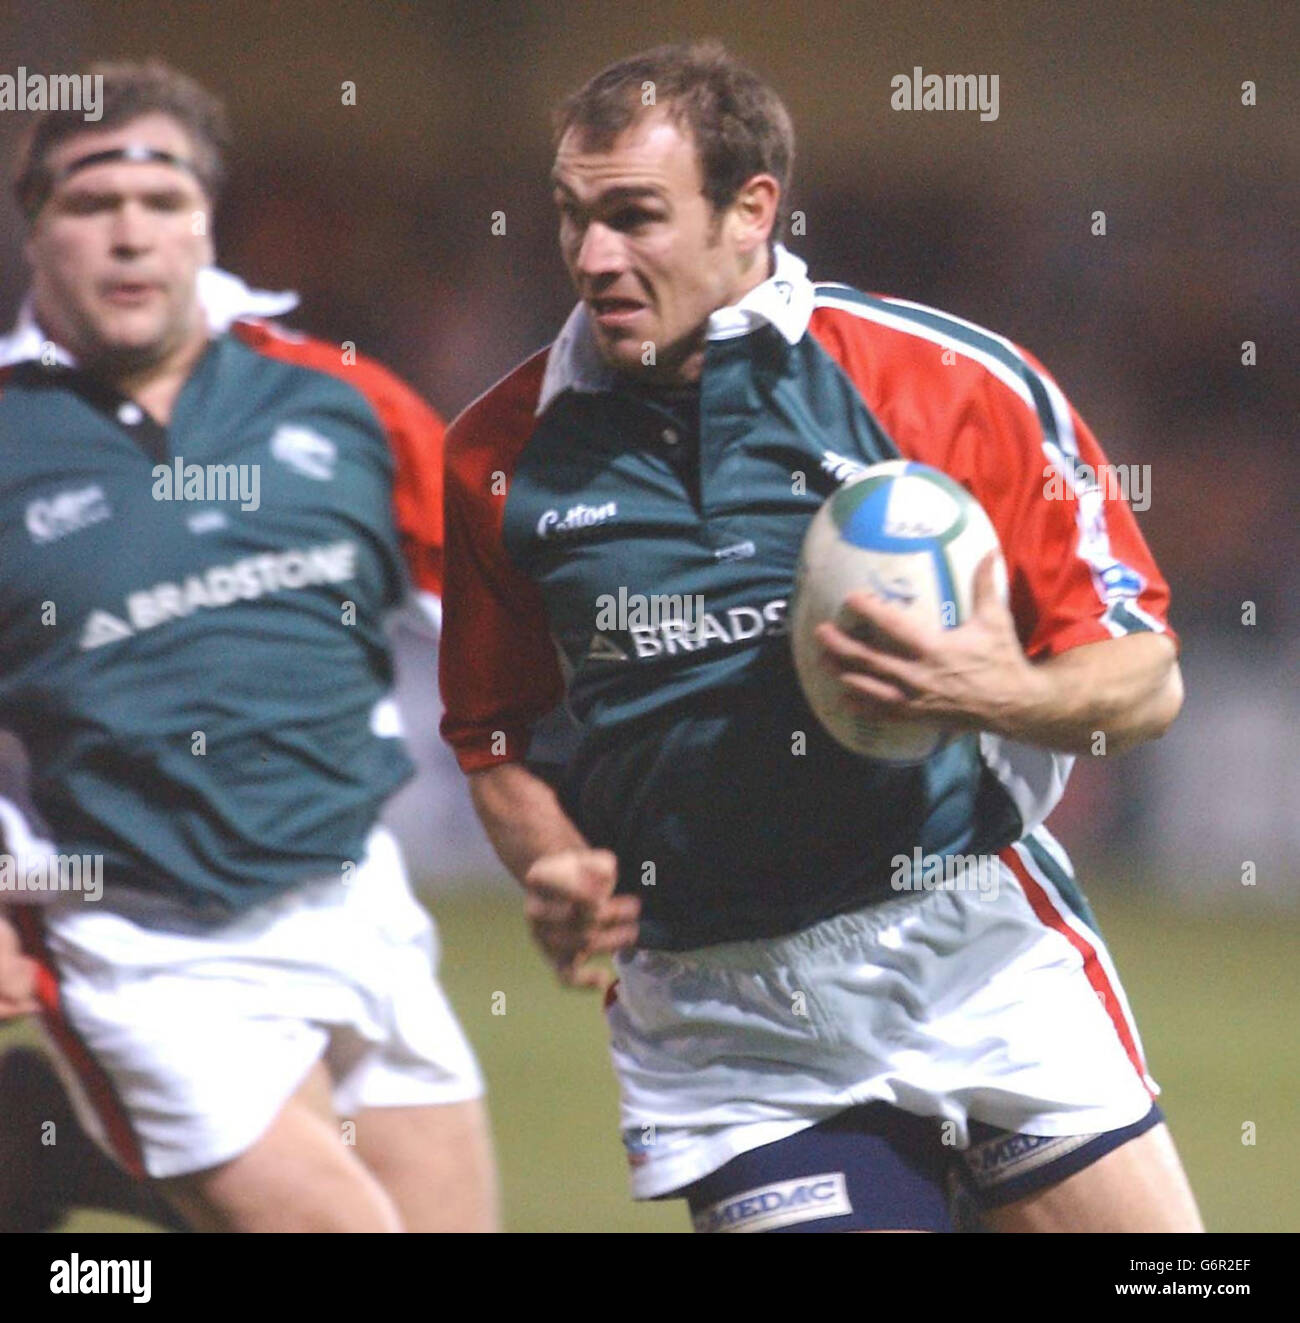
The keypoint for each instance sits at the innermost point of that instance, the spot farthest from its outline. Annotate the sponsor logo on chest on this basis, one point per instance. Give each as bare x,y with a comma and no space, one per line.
220,586
669,633
576,519
50,518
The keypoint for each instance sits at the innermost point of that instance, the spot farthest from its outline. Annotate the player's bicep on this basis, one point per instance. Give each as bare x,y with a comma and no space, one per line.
497,669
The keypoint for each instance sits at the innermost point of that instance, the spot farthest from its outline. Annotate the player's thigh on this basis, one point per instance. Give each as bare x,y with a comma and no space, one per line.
298,1176
435,1162
1139,1186
871,1167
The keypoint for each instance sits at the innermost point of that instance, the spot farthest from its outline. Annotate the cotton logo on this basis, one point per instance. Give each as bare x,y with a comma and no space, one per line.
575,519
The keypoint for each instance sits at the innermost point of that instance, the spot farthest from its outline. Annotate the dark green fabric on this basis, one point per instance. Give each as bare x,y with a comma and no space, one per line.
698,762
111,697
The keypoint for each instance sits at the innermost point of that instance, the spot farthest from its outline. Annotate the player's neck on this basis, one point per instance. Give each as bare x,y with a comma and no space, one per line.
682,367
155,388
761,268
685,373
153,379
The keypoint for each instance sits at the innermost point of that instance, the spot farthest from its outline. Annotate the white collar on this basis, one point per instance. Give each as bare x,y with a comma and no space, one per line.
783,300
223,297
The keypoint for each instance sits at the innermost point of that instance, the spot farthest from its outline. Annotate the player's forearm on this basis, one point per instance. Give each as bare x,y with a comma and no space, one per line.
17,973
1130,689
522,816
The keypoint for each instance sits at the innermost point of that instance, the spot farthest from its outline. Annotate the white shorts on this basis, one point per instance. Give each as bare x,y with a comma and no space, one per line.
181,1046
1004,1010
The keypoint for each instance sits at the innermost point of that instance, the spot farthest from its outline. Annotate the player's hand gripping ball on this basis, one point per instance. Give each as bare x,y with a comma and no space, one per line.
911,536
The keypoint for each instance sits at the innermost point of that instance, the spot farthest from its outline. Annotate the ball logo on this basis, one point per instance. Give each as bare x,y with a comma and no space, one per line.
895,588
918,510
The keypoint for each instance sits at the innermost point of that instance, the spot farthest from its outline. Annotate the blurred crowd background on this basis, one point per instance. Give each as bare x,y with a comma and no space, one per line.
381,215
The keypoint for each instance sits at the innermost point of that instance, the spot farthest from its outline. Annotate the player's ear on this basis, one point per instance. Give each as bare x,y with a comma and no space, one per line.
30,240
753,212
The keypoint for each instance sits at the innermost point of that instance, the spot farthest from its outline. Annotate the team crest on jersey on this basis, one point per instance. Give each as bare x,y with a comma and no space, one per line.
841,467
304,450
53,517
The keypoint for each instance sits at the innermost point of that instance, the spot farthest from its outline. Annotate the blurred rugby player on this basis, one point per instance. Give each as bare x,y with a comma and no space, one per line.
209,520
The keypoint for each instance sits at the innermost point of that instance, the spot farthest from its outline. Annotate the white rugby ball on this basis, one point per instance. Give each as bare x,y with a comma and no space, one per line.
911,536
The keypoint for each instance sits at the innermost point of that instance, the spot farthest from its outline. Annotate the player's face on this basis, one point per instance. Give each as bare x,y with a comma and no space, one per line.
117,247
648,256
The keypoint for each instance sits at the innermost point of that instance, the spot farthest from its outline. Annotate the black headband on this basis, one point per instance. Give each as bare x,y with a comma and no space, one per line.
133,151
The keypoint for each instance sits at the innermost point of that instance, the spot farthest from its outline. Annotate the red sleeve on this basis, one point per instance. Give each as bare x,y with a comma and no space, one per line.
498,667
1078,567
416,437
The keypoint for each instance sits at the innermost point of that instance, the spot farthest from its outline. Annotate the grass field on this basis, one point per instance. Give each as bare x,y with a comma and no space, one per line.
1217,999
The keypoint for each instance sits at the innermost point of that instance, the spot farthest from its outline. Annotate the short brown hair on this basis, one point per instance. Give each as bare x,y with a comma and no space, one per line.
130,91
739,124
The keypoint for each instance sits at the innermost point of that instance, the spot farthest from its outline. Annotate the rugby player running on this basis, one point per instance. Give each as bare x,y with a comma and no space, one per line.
250,1012
799,1045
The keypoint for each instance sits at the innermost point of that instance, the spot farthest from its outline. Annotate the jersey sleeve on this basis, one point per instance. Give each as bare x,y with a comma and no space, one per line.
1078,567
416,436
415,433
498,667
972,403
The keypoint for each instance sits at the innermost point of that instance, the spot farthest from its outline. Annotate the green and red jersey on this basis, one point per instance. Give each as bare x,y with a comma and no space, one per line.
568,487
202,683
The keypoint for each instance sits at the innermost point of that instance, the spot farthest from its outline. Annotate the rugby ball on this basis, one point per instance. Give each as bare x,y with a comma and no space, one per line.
913,537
